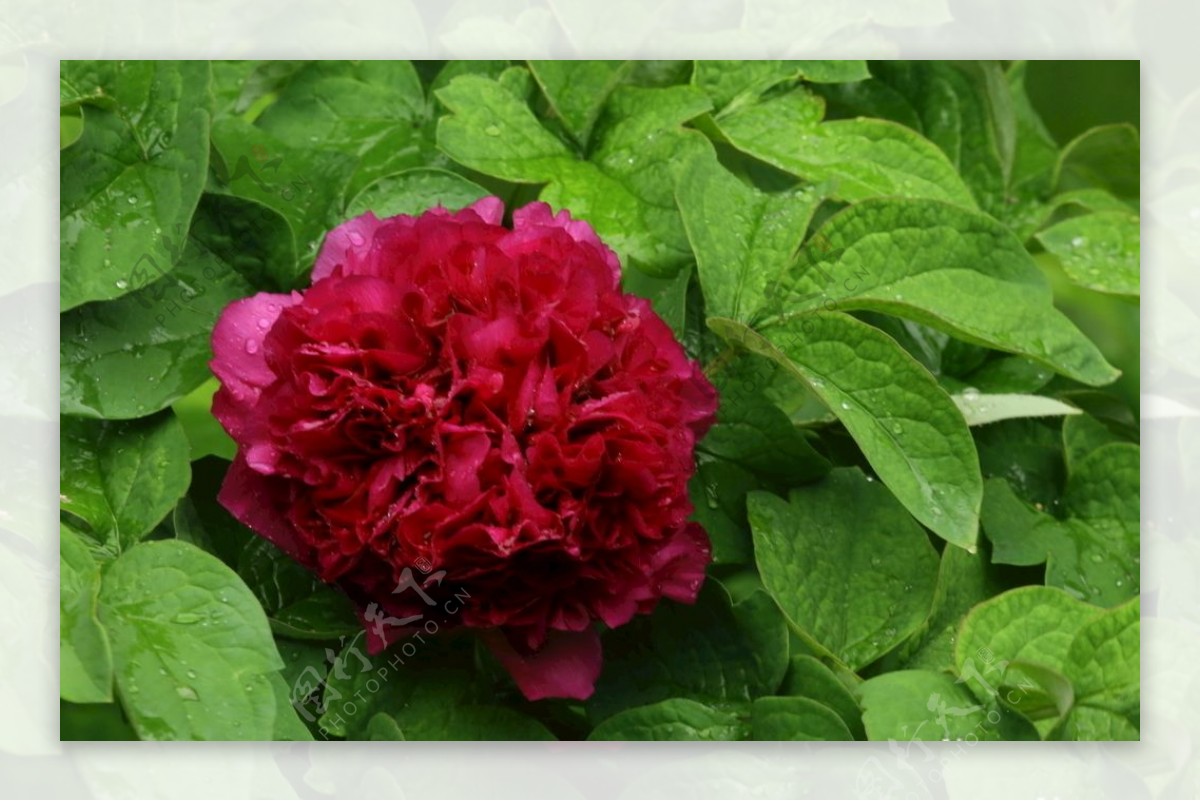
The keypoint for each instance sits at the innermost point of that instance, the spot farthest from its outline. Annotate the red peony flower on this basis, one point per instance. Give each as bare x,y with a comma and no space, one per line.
457,408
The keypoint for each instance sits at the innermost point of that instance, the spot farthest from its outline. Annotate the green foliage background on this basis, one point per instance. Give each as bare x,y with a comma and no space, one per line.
915,285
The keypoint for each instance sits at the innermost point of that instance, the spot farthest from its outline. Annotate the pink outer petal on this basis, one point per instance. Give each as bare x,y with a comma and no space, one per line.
239,358
566,666
346,246
248,496
490,209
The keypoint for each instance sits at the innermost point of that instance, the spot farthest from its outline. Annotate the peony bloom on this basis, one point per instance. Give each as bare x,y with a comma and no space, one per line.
457,408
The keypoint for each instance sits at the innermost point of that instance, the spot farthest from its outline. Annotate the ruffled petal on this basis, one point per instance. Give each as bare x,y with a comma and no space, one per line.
239,359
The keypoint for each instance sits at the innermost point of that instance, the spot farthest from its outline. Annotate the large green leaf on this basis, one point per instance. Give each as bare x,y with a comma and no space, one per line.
136,355
947,267
909,705
191,646
856,158
122,478
744,239
964,580
85,659
626,188
296,602
577,90
808,677
734,83
1105,157
305,186
796,719
856,586
718,492
1030,624
908,428
673,719
374,111
413,192
713,651
1100,251
1103,661
134,175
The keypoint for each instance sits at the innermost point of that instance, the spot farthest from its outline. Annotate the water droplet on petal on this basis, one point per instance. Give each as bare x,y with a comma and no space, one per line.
264,324
356,239
252,346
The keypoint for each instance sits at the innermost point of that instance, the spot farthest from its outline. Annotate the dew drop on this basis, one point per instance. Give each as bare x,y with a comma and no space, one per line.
131,200
356,238
187,618
1097,558
1120,583
122,284
897,428
492,130
264,324
710,495
187,693
937,511
970,394
1078,241
191,674
252,346
845,405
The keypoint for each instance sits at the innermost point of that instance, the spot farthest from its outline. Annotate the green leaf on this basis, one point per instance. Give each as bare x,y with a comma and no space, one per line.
755,434
1081,435
204,433
718,492
714,650
374,111
306,187
298,604
738,82
122,478
1098,556
909,705
964,580
1028,624
668,296
1019,535
1099,251
136,172
739,258
857,587
950,268
288,725
1009,374
138,354
979,409
796,719
70,127
85,659
190,646
908,428
1106,157
577,90
429,695
92,722
1028,453
857,158
625,189
673,719
1090,723
808,677
414,192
